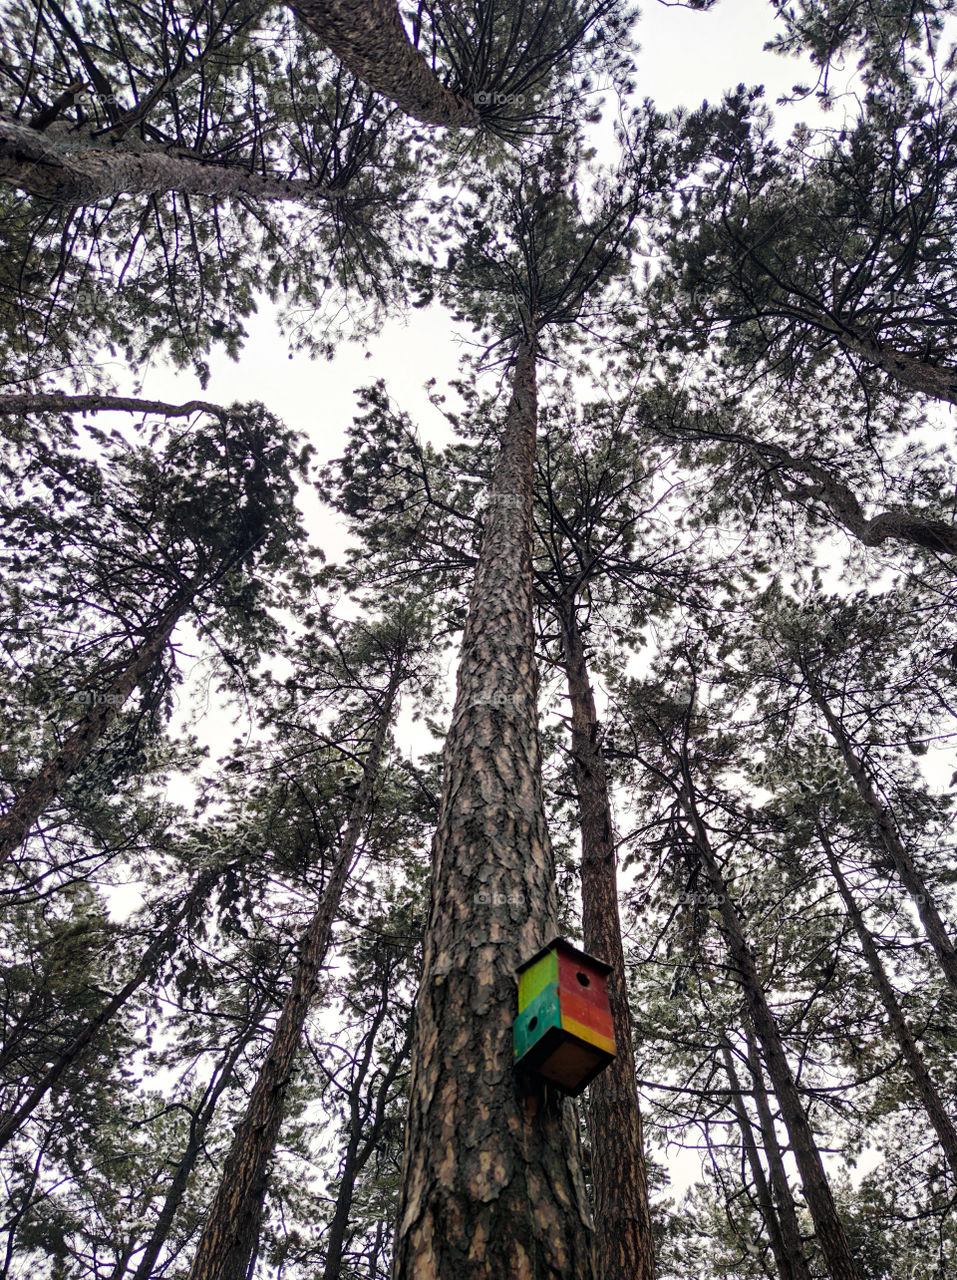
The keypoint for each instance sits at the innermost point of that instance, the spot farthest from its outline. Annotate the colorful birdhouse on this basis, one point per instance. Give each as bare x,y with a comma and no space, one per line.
563,1032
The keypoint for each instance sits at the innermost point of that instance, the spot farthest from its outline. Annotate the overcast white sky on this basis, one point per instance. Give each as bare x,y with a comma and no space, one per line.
685,57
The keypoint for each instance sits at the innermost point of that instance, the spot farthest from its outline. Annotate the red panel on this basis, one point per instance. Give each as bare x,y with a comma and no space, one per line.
579,1007
594,991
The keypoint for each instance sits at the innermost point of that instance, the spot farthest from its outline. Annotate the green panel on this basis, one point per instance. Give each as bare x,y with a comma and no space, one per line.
545,1012
536,978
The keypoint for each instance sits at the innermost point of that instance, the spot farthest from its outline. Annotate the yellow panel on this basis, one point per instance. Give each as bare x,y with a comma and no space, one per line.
589,1035
536,978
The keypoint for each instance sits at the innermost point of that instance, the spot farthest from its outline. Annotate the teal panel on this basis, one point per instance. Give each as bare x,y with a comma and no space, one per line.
544,1012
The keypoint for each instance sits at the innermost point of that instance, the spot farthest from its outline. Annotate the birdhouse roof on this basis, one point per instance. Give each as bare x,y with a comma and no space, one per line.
559,944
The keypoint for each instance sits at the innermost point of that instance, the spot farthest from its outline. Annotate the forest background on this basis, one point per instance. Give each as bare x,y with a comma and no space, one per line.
337,373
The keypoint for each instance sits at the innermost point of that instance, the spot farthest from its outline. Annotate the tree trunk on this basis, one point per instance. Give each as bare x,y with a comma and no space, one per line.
491,1184
619,1175
904,864
899,526
926,1089
780,1187
69,166
369,40
817,1191
937,381
360,1146
158,949
790,1261
197,1135
43,790
230,1235
56,402
16,1214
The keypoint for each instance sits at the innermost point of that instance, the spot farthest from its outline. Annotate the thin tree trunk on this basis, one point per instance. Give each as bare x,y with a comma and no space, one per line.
369,40
491,1184
230,1236
790,1261
67,166
42,791
904,864
780,1186
619,1175
827,1223
158,949
16,1215
199,1124
56,402
360,1147
926,1089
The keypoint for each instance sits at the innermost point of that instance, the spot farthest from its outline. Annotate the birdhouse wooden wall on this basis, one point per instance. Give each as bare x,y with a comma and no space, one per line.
563,1032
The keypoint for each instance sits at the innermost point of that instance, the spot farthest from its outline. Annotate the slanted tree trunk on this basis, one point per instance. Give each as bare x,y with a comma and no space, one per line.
198,1125
790,1262
491,1184
66,165
904,864
152,957
780,1187
829,490
831,1235
369,40
619,1175
58,402
42,791
826,489
230,1237
937,381
926,1089
365,1129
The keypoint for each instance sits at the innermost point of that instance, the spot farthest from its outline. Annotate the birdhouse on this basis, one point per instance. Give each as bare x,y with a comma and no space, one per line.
563,1032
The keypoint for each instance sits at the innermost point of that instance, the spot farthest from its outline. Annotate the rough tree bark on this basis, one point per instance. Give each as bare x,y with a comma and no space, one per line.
828,1227
371,42
790,1261
41,792
927,1091
151,959
619,1174
491,1184
230,1236
937,381
904,864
